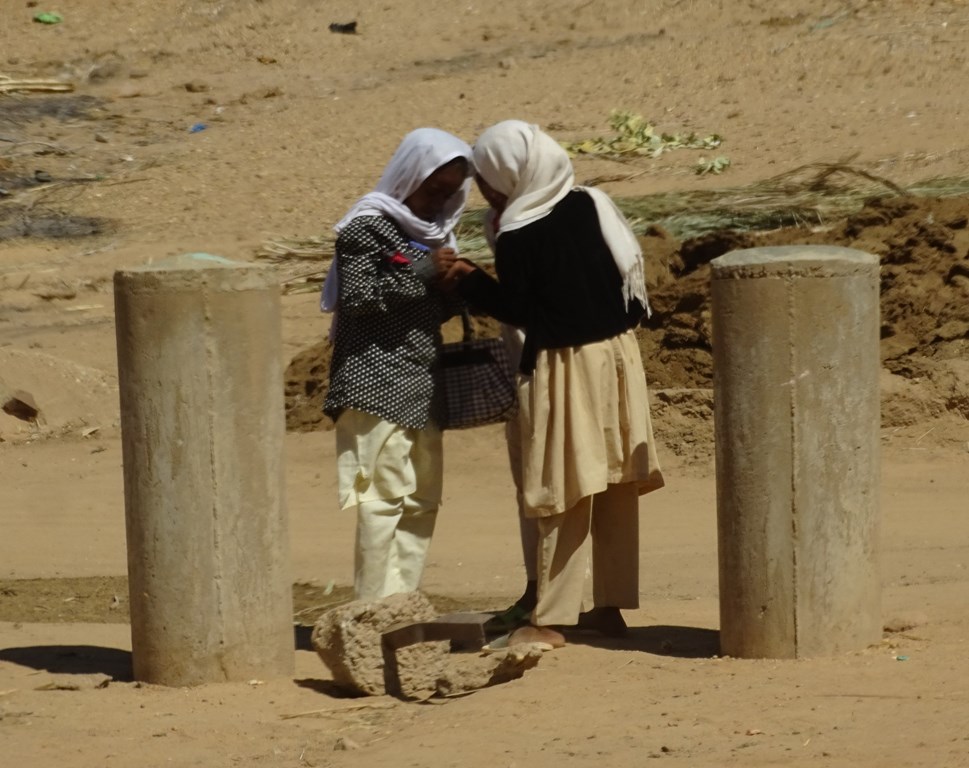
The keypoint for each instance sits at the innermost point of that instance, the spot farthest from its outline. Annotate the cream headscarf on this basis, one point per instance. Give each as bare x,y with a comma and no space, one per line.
529,167
420,153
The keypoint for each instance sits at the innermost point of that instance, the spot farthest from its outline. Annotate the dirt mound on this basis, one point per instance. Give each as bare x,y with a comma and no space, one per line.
306,381
70,398
923,244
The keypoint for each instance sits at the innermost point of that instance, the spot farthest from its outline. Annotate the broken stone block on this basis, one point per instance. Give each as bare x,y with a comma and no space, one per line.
467,673
349,641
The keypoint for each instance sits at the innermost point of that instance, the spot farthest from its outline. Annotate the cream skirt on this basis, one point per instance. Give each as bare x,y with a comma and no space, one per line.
585,424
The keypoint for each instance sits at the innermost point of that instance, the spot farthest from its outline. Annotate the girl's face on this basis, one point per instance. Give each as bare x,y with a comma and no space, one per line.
495,199
428,200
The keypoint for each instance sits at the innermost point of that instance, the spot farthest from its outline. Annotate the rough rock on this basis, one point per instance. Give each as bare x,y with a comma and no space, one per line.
348,640
21,405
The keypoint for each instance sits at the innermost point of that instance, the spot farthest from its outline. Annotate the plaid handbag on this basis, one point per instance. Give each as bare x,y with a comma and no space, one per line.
477,381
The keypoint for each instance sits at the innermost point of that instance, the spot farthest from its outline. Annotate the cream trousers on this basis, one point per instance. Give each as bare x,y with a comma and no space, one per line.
605,527
392,475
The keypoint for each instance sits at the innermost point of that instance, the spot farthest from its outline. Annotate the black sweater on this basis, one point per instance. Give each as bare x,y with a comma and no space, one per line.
557,281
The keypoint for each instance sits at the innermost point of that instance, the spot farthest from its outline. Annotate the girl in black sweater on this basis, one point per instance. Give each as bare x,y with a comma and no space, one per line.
570,275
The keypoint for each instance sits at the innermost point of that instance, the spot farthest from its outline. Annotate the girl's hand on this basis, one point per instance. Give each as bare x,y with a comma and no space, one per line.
443,259
460,269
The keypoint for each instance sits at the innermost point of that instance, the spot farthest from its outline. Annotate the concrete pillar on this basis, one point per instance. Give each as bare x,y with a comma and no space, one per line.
796,366
200,373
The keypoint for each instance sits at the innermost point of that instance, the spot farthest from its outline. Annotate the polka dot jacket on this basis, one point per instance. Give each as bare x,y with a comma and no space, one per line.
388,331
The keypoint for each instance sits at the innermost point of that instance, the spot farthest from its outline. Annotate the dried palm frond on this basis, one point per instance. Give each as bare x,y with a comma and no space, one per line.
10,85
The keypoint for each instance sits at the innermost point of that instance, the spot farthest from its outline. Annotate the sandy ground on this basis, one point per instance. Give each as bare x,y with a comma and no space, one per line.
298,121
661,692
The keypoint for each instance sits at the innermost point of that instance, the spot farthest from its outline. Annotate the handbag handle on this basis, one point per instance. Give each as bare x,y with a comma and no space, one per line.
466,325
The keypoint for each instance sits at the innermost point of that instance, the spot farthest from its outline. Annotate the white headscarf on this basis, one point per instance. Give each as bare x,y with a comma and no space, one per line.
420,153
530,168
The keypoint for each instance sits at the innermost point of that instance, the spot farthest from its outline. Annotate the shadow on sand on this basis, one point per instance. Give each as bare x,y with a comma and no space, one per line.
72,660
661,640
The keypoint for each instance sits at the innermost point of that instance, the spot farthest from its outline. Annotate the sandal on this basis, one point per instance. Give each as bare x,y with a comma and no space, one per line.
503,643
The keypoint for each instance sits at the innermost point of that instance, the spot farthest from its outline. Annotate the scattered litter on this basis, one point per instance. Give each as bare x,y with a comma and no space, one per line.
901,658
48,17
829,21
350,28
197,127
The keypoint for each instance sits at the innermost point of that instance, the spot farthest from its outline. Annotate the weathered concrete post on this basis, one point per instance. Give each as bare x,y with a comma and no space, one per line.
796,367
200,370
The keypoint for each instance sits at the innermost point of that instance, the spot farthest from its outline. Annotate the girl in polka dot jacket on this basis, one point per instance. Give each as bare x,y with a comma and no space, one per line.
392,248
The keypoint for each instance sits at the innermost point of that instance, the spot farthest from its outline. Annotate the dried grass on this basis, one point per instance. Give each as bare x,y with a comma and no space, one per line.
810,195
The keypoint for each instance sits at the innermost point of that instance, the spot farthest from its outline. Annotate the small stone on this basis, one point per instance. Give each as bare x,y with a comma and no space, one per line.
100,138
905,621
344,743
21,405
128,91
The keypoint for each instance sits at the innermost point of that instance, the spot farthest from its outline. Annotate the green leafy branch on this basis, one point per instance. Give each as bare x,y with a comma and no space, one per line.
637,137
